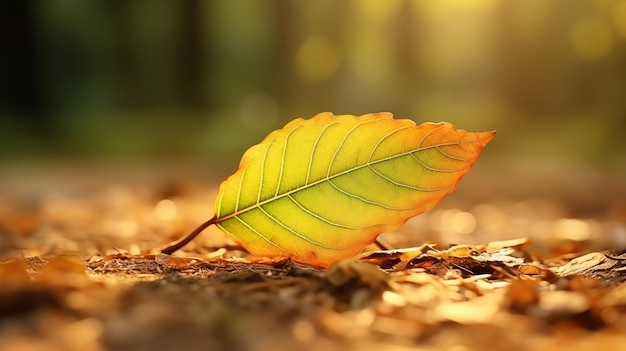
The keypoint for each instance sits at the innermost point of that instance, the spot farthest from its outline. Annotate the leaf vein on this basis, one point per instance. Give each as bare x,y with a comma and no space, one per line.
369,159
308,172
447,154
371,202
402,185
318,217
430,168
259,234
243,174
296,233
258,197
345,137
282,160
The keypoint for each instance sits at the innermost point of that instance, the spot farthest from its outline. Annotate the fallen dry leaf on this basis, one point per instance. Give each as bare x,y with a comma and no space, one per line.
608,267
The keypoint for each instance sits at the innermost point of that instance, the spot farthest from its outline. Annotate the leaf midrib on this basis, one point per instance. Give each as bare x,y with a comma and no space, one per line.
327,178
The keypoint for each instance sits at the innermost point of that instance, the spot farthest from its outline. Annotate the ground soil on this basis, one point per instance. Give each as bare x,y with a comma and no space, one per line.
81,269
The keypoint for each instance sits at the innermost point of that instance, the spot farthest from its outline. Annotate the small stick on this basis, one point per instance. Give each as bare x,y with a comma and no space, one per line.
175,247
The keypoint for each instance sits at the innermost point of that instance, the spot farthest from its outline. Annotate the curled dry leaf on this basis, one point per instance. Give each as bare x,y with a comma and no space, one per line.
601,265
470,258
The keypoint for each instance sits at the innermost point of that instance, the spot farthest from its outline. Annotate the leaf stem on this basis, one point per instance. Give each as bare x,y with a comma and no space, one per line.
175,247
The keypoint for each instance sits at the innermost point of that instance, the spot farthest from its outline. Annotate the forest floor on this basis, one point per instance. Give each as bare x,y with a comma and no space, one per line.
80,269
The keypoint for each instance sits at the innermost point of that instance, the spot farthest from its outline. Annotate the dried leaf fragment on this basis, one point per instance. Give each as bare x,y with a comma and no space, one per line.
610,268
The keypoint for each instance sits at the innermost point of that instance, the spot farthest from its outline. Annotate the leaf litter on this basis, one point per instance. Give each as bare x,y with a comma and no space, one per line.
95,280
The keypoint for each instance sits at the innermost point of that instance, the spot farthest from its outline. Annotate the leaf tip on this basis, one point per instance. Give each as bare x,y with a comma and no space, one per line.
486,137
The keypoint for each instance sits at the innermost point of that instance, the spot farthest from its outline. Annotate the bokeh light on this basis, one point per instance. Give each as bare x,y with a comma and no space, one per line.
165,209
317,59
205,80
592,38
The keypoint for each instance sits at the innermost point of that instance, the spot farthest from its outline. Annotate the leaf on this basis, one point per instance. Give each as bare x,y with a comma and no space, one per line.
468,258
321,190
610,268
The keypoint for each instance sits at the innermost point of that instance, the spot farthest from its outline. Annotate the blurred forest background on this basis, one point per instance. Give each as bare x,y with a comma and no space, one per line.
129,81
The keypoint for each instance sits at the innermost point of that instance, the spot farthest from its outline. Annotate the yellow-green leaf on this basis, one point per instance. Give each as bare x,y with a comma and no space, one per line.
322,189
